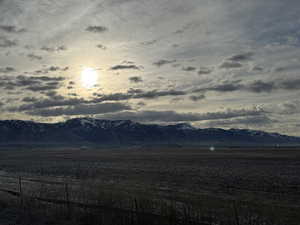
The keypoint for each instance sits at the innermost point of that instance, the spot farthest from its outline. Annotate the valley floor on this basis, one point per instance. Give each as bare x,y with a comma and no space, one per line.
225,186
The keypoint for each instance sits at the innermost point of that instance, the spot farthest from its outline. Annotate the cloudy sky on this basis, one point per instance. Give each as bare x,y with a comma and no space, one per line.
211,63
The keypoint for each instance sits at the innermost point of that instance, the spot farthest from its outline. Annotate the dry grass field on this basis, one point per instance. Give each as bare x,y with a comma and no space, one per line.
225,186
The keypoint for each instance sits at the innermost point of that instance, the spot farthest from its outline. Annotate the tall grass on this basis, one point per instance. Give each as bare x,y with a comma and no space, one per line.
115,207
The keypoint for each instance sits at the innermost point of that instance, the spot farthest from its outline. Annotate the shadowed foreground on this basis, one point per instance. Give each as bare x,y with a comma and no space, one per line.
150,186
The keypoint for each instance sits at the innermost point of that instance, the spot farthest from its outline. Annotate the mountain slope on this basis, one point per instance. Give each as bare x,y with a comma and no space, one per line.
125,132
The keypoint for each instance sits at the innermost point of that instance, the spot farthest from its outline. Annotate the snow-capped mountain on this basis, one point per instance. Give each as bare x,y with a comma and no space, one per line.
126,132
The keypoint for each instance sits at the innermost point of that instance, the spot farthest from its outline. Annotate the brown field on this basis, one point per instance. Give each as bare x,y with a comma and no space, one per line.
229,186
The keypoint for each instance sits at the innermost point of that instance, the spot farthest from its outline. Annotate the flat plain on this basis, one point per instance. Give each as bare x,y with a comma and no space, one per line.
261,182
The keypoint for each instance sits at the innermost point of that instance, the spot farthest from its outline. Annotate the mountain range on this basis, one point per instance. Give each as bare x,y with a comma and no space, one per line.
85,131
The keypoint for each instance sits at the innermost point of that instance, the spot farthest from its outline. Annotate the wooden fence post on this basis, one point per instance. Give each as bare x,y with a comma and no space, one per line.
236,214
20,191
67,197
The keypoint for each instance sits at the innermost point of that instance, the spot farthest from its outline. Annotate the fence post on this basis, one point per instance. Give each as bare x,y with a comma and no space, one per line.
20,191
67,197
236,215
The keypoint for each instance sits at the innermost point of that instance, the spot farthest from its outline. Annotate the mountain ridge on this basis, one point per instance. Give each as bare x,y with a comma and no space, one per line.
87,130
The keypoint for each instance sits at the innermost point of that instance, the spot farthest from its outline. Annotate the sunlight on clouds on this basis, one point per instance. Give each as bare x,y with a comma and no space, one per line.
89,78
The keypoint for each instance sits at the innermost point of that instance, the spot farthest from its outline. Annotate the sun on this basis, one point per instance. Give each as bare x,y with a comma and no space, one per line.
89,77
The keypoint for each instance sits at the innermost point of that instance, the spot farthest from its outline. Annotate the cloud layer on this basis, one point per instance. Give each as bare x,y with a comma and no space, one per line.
225,63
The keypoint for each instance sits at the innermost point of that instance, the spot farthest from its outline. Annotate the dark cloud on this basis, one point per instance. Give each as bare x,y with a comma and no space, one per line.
268,86
57,68
135,91
175,65
29,99
252,121
22,81
6,43
52,94
82,109
51,69
172,116
235,61
257,86
54,49
155,94
136,79
290,107
163,62
285,108
289,84
54,101
32,83
196,98
73,94
138,94
287,68
127,62
260,86
204,71
112,97
230,65
11,29
96,29
141,104
119,2
41,78
125,67
7,69
176,100
183,29
225,87
258,68
32,56
189,68
14,92
280,69
241,57
147,43
101,46
45,86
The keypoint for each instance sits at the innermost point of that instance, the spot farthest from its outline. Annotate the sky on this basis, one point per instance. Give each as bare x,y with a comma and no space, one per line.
210,63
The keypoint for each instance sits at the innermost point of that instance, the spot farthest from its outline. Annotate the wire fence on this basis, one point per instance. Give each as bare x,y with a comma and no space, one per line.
17,188
18,184
69,193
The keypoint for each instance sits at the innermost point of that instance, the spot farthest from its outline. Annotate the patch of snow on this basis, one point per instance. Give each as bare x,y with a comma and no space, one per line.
185,126
88,121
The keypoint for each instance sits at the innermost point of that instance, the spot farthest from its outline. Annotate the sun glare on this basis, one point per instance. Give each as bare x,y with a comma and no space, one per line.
89,77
